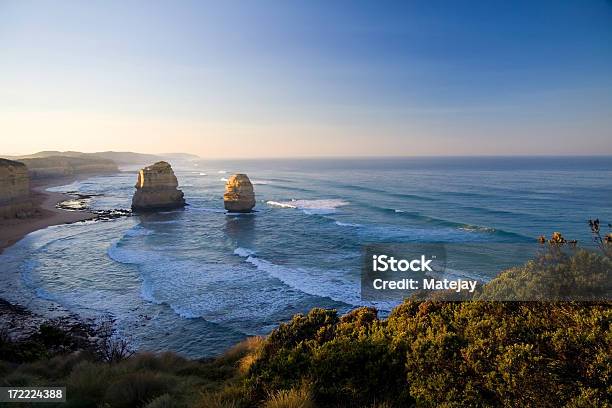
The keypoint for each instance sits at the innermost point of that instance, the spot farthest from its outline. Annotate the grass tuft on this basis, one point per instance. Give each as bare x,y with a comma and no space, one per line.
293,398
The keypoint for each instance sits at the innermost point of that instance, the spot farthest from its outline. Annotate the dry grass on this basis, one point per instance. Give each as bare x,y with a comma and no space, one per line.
245,363
293,398
231,396
163,401
135,389
248,346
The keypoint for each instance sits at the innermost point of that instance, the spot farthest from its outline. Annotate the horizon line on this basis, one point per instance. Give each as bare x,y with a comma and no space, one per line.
336,157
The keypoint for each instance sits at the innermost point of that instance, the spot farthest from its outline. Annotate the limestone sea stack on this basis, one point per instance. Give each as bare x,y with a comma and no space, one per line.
157,189
14,190
239,196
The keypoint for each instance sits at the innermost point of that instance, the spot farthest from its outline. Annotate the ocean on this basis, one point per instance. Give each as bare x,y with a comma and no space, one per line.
198,280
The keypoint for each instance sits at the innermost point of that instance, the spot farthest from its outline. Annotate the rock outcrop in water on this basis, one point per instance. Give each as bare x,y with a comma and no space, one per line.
239,195
156,189
14,190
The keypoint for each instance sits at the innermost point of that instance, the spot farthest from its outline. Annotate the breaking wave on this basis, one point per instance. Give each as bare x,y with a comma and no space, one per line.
319,206
337,285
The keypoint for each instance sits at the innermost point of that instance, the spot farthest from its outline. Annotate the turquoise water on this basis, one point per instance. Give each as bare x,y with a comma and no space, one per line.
198,280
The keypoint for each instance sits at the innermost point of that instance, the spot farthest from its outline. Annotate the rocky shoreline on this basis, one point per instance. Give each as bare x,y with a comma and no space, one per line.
19,324
80,202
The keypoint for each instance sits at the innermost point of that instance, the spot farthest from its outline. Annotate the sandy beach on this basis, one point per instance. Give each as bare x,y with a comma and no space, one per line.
46,214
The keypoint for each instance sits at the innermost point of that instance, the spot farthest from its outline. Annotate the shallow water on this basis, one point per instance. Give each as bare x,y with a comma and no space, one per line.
198,280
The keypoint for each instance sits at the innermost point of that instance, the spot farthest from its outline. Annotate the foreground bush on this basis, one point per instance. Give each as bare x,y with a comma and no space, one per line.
475,353
427,353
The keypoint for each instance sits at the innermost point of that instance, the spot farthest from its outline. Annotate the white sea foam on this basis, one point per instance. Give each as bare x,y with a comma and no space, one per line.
195,289
399,211
476,228
260,182
203,174
244,252
130,256
146,292
336,285
235,214
319,206
223,179
138,231
222,172
280,204
347,224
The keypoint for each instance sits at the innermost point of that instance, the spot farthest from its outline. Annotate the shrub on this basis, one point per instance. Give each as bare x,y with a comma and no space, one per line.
473,353
87,383
135,389
19,379
555,276
56,367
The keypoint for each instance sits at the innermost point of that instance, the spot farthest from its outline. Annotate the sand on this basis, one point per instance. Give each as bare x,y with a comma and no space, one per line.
46,215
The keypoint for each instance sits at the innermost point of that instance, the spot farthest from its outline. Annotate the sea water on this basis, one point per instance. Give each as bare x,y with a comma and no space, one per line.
198,280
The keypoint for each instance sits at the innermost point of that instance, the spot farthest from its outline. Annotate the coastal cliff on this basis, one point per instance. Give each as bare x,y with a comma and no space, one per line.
14,190
157,188
64,166
239,195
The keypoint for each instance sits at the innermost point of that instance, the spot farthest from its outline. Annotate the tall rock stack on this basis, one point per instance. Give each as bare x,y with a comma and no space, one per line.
14,190
239,195
156,189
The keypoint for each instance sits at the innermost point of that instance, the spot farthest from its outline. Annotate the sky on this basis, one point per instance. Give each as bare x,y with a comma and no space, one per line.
307,78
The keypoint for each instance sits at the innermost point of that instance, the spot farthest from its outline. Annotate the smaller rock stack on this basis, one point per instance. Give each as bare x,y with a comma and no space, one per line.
156,189
239,196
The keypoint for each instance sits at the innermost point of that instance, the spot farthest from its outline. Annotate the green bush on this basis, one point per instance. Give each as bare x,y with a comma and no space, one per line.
473,353
87,383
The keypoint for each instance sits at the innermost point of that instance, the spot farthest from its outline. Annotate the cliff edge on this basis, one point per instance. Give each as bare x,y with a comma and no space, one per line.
15,199
64,166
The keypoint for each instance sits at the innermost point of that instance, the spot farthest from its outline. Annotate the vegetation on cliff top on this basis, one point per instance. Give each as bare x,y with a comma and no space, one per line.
427,353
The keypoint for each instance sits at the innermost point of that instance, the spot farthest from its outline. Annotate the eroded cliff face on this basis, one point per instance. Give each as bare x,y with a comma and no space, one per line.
14,190
156,189
60,166
239,195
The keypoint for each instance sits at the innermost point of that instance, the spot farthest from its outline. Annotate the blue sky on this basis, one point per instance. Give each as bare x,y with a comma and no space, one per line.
307,78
